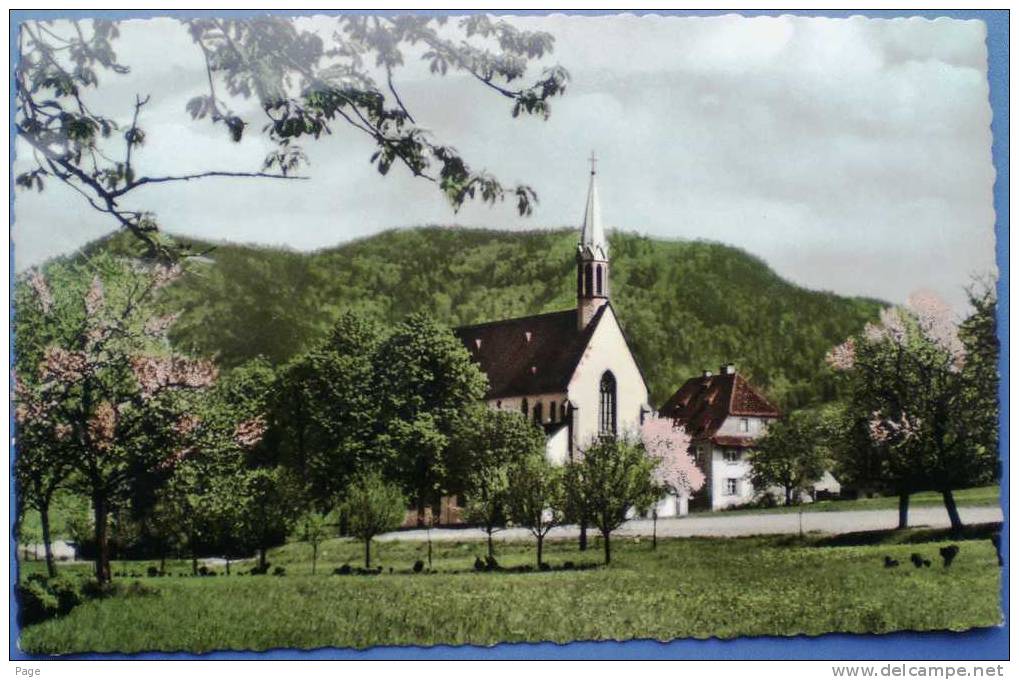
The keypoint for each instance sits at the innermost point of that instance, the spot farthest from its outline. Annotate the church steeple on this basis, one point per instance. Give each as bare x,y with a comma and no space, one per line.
592,257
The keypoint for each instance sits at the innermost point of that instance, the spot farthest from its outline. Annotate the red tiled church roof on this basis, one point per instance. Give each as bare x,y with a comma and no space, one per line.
702,404
529,355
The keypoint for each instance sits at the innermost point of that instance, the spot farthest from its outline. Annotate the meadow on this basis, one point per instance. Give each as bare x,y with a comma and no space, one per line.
978,496
694,587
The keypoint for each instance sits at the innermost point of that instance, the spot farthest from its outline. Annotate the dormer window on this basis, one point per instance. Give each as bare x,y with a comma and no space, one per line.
744,424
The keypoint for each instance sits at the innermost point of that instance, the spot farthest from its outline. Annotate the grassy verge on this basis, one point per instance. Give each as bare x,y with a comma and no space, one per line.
686,588
977,496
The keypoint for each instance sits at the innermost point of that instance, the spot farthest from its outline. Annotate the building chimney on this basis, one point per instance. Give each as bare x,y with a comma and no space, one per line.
727,369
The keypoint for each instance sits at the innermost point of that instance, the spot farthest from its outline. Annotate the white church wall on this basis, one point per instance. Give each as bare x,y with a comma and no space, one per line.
607,351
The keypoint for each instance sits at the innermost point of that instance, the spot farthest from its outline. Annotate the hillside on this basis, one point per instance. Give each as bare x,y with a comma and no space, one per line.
685,305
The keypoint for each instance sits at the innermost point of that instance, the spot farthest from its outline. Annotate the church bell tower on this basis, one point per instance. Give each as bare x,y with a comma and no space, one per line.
592,258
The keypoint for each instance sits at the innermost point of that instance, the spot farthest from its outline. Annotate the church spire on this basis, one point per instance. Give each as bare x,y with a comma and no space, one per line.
592,257
592,234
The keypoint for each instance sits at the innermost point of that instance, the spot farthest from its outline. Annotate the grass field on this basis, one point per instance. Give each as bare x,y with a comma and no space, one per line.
977,496
685,588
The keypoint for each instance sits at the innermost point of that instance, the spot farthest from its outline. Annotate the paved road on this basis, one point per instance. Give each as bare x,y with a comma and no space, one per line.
736,525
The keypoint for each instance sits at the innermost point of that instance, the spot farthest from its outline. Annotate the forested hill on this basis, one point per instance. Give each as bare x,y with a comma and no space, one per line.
685,305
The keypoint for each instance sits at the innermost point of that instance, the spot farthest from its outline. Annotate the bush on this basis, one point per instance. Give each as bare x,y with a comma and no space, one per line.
68,593
478,564
419,567
490,563
279,571
152,572
343,570
36,603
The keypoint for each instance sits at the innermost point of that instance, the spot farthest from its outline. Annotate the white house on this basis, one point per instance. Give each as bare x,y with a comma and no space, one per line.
725,416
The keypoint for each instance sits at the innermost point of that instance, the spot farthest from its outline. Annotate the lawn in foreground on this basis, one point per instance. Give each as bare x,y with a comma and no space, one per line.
692,587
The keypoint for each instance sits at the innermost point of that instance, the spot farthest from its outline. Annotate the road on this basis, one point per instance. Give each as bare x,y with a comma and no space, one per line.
719,524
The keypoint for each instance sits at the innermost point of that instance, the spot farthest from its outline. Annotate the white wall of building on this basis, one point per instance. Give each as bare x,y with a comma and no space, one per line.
606,351
724,469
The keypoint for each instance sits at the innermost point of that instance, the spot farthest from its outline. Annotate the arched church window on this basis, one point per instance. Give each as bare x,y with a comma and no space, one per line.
597,279
588,283
580,282
607,405
538,413
523,406
551,412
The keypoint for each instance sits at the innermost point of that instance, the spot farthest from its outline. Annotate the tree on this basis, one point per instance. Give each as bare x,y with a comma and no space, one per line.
313,531
926,411
488,445
373,506
790,455
107,387
535,499
426,381
676,471
615,475
325,412
41,468
304,86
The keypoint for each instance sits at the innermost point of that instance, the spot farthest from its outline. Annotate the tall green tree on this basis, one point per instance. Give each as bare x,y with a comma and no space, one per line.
791,455
325,410
487,446
305,86
426,382
373,506
535,497
614,475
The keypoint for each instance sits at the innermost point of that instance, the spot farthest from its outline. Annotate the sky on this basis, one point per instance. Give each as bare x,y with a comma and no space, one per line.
851,155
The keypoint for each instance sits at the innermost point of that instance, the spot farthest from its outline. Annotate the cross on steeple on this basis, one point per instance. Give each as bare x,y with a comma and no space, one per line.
594,160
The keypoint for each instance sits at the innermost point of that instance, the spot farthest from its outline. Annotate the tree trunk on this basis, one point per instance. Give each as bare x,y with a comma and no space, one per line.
162,561
314,558
44,516
541,540
368,553
903,510
261,559
102,547
429,547
421,510
491,550
608,550
583,534
953,511
654,530
788,496
227,565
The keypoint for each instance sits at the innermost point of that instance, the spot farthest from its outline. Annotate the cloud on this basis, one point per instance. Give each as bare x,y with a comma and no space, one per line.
851,154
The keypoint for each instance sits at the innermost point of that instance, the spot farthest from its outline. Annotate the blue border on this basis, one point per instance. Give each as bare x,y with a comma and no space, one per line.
981,644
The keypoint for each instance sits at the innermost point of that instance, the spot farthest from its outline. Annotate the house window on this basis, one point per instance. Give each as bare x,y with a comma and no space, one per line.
551,411
731,486
744,424
607,406
538,413
731,455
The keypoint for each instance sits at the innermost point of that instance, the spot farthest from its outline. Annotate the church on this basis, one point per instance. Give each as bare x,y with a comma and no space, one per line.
572,371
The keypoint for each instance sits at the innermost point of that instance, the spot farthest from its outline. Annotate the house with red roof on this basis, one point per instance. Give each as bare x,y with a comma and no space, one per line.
724,415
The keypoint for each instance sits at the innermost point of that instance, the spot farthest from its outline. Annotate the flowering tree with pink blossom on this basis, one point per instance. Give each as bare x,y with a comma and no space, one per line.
676,471
97,384
916,400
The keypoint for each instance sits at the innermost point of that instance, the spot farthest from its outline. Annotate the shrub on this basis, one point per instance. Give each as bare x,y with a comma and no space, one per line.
68,593
152,572
419,567
279,571
478,564
36,603
490,563
343,570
